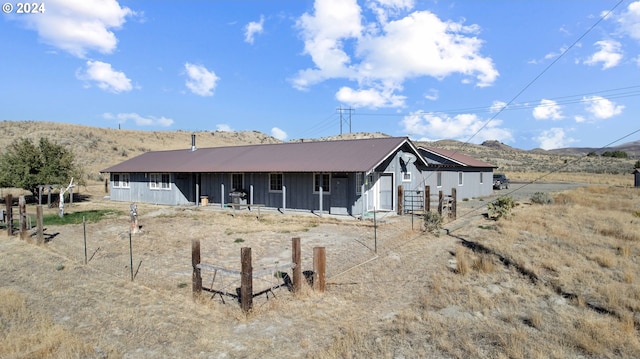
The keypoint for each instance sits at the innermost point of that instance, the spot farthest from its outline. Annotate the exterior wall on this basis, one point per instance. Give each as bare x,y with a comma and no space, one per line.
470,188
139,190
636,178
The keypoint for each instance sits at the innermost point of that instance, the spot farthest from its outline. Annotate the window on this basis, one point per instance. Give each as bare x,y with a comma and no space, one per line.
120,180
439,179
359,182
237,181
481,178
406,176
459,178
160,181
275,182
322,180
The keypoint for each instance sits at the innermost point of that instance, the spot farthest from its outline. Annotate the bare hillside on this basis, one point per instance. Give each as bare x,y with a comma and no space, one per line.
97,148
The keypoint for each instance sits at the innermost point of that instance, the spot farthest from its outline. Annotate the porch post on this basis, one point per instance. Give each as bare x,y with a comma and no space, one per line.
284,198
221,195
251,194
320,194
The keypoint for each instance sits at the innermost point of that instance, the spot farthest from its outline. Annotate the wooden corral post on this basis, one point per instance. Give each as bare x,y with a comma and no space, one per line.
40,235
454,194
319,268
297,263
196,278
400,200
8,201
427,199
246,280
440,202
22,205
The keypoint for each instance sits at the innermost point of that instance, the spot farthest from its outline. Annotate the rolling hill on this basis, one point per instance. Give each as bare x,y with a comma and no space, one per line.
97,148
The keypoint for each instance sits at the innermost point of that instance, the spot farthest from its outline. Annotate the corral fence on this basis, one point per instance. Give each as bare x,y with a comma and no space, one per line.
245,293
420,201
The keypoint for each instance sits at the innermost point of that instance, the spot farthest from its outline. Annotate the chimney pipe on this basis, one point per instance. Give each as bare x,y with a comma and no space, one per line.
193,142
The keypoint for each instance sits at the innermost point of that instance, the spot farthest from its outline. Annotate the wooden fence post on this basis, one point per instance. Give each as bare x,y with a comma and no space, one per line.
440,200
400,200
40,236
22,205
8,200
427,199
246,280
196,277
297,264
319,268
454,208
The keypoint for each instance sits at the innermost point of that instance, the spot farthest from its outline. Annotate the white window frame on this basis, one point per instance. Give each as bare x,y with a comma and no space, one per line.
157,181
316,185
438,179
406,176
277,190
460,178
123,180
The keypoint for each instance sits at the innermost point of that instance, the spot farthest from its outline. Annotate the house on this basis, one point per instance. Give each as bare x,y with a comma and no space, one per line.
350,177
636,178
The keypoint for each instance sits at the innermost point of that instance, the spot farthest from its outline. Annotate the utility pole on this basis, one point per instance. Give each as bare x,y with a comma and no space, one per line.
341,110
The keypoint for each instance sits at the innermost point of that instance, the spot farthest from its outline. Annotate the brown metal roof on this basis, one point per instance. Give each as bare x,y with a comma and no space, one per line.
458,157
323,156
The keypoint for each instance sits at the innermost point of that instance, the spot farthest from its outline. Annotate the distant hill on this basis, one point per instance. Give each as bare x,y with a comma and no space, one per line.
631,148
97,148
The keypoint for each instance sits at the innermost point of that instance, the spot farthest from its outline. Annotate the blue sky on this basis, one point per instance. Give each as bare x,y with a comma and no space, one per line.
530,74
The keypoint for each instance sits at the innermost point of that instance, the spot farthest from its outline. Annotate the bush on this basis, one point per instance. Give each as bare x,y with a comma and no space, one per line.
541,198
432,222
501,207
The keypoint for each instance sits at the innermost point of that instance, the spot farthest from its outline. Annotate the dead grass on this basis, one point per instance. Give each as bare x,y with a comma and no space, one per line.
28,333
556,281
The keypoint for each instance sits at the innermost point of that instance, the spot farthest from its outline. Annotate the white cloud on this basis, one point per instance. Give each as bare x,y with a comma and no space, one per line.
388,52
548,110
78,27
223,127
610,54
629,21
139,120
497,106
200,81
461,127
279,134
602,108
105,77
553,138
252,29
371,98
432,95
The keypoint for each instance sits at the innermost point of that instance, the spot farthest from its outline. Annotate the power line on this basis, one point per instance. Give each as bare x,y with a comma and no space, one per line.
350,110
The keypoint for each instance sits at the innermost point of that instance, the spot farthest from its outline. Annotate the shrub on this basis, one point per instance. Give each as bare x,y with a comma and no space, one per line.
432,222
541,198
501,207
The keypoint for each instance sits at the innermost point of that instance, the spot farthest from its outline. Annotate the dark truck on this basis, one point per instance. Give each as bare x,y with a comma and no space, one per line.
500,181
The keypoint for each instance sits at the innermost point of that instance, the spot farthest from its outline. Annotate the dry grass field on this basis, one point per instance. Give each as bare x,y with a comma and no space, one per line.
559,280
550,281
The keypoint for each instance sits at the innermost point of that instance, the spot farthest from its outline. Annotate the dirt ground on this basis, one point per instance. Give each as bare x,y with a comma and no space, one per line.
155,316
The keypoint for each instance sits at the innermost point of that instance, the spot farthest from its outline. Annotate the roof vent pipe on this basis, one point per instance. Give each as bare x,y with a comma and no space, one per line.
193,142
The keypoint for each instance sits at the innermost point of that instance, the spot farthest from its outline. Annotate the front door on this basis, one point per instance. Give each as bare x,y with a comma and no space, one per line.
339,198
385,192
